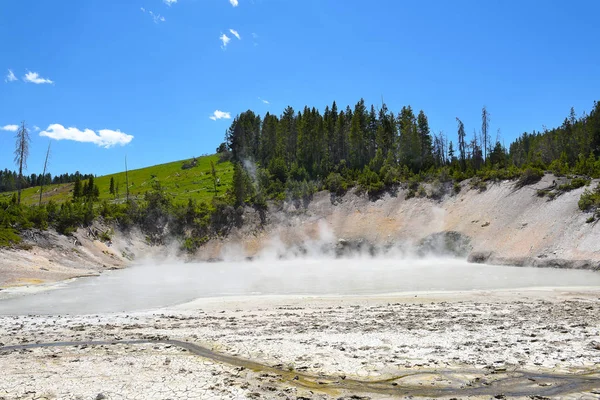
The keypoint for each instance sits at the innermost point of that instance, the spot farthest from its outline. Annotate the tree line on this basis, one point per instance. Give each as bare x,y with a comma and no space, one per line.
8,179
376,148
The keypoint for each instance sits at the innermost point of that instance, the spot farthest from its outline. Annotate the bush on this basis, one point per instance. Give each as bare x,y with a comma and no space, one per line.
575,183
389,175
589,200
369,181
456,188
38,216
438,190
8,237
529,177
478,184
335,183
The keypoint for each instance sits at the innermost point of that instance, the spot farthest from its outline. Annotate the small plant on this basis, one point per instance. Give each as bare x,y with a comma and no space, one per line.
456,188
8,237
106,236
589,200
590,220
575,183
478,184
529,177
336,183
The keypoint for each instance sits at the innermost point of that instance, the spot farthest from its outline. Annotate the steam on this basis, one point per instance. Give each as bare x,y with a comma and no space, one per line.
251,169
317,240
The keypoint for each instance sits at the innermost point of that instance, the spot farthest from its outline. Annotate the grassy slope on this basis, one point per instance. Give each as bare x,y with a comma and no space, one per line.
195,183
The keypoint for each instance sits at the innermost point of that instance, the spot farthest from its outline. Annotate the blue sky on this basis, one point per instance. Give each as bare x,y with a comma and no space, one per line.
143,77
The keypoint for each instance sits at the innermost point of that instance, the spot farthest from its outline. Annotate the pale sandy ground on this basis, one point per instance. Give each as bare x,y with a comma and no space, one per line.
476,338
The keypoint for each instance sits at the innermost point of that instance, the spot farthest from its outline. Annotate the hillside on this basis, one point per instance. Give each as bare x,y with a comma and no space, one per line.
195,183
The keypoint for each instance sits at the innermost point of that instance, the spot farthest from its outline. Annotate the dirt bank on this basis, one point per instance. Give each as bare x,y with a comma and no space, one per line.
503,225
46,256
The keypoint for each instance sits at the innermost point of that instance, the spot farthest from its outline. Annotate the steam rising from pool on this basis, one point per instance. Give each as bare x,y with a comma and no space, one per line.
154,284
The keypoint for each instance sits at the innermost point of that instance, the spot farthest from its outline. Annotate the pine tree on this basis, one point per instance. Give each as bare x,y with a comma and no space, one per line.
451,153
425,160
111,188
77,189
358,142
485,135
88,191
408,141
462,150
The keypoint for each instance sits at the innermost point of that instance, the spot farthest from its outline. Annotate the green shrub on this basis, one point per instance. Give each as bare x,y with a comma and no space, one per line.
589,200
456,188
38,216
575,183
369,181
529,177
389,175
478,184
438,190
8,237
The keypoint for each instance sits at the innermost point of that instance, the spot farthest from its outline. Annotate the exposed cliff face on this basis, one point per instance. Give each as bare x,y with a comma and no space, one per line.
503,225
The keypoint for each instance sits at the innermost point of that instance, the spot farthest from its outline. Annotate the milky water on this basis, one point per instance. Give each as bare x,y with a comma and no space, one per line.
151,286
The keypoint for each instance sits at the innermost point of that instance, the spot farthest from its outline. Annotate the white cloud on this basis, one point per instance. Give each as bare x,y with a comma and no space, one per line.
264,101
10,77
36,128
235,33
9,128
234,2
34,77
169,2
104,137
225,39
220,115
143,9
156,17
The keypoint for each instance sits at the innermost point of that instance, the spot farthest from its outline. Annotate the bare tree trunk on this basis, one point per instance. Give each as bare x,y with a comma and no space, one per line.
485,135
44,175
21,154
20,180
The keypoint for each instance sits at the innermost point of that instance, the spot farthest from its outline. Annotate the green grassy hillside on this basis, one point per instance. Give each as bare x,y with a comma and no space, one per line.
182,184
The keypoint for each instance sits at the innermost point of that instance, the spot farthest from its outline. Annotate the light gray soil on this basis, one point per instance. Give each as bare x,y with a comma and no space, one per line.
447,345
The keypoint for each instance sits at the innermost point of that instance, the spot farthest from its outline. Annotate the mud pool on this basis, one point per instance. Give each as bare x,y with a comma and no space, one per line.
152,286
